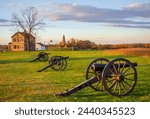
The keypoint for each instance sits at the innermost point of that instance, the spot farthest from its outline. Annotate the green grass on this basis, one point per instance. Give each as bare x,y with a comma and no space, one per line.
19,80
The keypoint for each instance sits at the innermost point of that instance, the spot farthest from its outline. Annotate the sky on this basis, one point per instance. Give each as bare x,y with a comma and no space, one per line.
100,21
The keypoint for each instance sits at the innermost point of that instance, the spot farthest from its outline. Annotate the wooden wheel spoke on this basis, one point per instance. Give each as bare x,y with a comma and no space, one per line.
115,86
99,77
112,85
127,83
119,77
114,68
119,88
110,79
126,70
129,74
90,73
107,80
124,87
123,67
129,79
119,66
98,84
111,71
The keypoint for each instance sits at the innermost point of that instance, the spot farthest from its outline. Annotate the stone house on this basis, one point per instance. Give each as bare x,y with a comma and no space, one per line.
20,42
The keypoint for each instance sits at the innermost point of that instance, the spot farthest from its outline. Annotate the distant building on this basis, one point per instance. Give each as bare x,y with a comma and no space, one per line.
3,48
40,46
63,43
20,42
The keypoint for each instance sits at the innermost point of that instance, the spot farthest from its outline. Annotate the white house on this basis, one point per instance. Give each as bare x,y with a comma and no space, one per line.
40,46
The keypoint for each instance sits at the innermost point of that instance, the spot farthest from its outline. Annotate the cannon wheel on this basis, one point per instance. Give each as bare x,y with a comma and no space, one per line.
119,80
58,62
43,57
90,73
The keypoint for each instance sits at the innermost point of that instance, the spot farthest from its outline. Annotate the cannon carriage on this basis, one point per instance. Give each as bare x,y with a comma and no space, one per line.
42,56
118,77
57,63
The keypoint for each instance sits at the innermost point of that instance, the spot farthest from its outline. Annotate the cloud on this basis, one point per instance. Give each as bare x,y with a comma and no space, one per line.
131,26
15,5
136,15
89,13
3,20
138,7
80,13
5,23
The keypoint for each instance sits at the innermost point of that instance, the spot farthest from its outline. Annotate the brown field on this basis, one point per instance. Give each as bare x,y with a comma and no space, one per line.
130,51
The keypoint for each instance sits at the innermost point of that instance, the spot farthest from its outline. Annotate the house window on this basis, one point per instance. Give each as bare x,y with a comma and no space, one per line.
16,40
16,46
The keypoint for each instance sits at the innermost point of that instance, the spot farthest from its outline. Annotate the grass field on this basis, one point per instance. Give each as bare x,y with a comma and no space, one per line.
20,82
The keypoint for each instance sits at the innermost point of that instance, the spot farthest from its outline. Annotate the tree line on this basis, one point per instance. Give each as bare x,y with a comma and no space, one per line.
76,44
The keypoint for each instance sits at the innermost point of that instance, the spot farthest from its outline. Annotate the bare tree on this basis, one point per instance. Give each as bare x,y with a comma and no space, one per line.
72,43
27,21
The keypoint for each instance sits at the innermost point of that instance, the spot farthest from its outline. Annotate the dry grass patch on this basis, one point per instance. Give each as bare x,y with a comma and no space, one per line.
130,51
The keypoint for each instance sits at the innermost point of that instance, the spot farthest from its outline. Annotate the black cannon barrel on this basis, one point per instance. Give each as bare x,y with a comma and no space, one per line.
78,87
61,58
39,56
65,57
100,67
58,58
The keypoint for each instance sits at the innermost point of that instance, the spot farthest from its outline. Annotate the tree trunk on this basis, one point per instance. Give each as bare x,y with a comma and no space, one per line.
29,42
29,45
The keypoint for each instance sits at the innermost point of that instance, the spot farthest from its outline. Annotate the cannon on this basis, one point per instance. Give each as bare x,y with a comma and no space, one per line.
118,77
42,56
57,63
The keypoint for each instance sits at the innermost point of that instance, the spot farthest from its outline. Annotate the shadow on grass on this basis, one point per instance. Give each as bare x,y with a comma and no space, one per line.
82,58
107,57
15,61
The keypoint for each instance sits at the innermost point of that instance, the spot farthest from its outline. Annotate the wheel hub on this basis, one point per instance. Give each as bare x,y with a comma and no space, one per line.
120,77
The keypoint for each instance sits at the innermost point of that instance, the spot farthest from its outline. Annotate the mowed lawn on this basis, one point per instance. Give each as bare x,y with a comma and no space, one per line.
20,82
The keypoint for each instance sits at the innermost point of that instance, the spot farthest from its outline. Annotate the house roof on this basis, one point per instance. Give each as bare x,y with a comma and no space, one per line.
10,43
40,44
22,33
